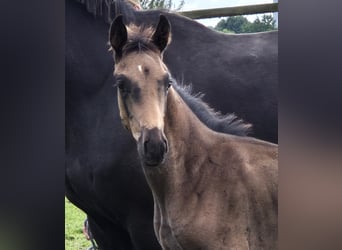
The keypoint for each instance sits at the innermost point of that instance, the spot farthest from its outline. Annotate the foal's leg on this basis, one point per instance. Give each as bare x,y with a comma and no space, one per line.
156,221
163,230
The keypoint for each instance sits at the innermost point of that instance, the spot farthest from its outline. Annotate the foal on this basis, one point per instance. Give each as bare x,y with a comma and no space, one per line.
211,190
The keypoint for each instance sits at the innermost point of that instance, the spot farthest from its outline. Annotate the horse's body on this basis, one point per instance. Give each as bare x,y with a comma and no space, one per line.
211,190
215,191
103,175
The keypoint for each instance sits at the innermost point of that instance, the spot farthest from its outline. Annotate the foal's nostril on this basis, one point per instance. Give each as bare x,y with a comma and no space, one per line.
165,145
162,149
145,146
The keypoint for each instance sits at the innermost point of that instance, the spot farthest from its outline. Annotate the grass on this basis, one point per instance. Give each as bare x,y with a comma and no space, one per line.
74,219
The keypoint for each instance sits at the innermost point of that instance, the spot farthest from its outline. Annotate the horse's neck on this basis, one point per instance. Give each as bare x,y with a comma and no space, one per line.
184,133
188,140
182,127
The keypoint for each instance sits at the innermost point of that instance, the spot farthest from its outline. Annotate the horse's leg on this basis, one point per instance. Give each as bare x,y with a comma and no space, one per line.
109,236
139,226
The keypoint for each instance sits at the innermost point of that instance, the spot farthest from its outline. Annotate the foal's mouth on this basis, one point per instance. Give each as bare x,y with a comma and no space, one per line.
153,163
152,147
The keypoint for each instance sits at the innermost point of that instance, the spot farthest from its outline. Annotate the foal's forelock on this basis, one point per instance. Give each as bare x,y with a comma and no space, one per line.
139,38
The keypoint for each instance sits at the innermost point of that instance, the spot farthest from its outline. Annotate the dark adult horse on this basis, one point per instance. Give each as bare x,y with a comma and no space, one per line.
103,176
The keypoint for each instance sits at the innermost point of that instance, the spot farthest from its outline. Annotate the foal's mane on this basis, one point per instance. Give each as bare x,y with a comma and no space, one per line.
228,124
139,39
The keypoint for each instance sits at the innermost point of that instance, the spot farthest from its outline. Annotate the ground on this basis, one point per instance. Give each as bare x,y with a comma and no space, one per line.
74,219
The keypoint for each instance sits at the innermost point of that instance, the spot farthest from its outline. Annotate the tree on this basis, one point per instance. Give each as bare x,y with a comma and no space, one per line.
161,4
266,23
234,24
269,21
240,24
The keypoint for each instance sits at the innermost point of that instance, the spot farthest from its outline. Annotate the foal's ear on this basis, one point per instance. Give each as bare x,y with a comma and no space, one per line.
118,35
162,34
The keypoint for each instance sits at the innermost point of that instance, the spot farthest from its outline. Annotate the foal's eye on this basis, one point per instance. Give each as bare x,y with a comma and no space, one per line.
168,84
120,84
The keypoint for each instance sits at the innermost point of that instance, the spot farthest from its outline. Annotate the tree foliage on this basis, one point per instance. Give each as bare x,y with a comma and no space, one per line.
161,4
240,24
234,24
265,24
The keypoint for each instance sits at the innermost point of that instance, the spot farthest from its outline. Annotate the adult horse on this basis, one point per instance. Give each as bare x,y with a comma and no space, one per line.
211,190
103,174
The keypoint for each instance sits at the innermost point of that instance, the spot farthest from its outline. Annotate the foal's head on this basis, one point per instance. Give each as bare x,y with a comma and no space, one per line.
143,81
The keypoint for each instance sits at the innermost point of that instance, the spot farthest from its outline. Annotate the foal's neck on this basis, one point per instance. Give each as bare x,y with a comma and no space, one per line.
184,131
190,143
181,124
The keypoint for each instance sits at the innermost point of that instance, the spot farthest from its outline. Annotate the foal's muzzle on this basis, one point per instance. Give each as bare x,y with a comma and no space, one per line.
152,147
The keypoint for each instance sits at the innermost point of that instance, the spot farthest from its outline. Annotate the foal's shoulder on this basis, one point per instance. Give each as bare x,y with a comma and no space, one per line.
252,149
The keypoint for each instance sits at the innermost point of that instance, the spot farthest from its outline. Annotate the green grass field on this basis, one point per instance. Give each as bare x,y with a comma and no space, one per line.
74,237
